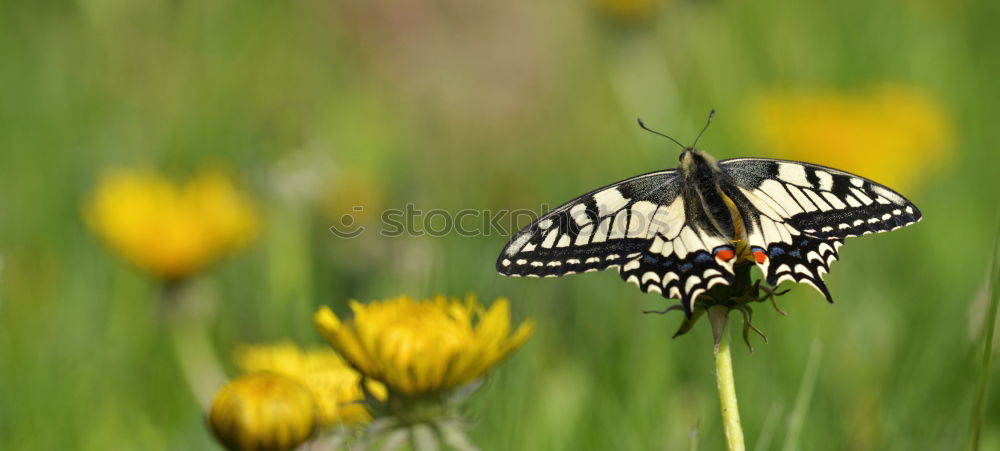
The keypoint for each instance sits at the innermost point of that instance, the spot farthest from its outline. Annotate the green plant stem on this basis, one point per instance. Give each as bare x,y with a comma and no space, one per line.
984,374
727,395
187,310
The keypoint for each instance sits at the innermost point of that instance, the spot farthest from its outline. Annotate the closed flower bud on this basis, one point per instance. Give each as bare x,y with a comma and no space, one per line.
263,412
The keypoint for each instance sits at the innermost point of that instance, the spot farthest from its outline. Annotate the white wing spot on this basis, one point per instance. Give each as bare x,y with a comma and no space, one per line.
657,245
771,234
691,282
563,240
517,244
801,199
601,234
794,174
679,249
817,200
642,213
691,241
861,195
825,179
545,224
631,265
579,214
833,200
550,239
857,182
609,201
674,220
584,236
888,194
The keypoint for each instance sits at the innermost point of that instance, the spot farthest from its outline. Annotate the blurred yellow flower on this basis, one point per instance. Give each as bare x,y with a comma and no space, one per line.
335,386
424,346
262,411
628,10
169,230
895,135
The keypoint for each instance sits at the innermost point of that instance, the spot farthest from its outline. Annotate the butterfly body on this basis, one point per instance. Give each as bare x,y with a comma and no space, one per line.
679,232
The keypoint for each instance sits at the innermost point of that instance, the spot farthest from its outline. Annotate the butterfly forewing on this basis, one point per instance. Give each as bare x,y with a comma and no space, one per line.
606,227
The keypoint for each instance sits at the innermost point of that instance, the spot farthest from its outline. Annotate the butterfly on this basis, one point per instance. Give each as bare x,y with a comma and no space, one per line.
678,232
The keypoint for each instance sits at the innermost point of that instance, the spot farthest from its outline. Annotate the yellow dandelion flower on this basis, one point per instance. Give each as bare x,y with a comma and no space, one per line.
892,134
170,231
424,346
335,386
262,411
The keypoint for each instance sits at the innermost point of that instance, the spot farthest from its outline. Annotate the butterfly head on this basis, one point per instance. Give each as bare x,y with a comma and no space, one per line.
693,161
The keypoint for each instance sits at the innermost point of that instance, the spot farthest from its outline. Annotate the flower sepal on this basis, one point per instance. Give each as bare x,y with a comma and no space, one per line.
428,421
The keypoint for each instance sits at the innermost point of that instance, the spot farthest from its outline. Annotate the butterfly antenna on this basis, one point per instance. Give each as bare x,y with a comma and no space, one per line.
644,127
711,114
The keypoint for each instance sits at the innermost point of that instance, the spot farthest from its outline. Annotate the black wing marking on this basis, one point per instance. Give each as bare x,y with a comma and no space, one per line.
603,228
800,213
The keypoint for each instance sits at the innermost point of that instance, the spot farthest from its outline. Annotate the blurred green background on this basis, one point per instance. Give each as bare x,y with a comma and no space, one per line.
318,106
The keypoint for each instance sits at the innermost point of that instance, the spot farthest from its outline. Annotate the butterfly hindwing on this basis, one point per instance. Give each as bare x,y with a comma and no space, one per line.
604,228
682,265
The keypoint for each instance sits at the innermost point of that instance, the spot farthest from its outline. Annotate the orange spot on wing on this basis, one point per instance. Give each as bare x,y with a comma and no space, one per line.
725,254
759,256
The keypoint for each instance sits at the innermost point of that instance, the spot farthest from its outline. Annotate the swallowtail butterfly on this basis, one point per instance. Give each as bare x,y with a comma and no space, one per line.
678,232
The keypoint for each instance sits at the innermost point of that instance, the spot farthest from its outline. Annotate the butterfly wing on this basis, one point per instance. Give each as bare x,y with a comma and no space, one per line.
645,226
603,228
800,214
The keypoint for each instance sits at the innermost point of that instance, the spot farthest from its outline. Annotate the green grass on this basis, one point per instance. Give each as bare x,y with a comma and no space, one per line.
462,105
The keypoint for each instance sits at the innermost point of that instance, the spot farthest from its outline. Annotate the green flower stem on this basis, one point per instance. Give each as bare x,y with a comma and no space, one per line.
187,310
727,389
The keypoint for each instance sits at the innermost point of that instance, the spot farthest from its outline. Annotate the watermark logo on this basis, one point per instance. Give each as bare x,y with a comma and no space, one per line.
436,222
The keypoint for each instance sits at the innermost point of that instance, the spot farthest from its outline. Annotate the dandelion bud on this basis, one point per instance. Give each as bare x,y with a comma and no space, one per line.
262,411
